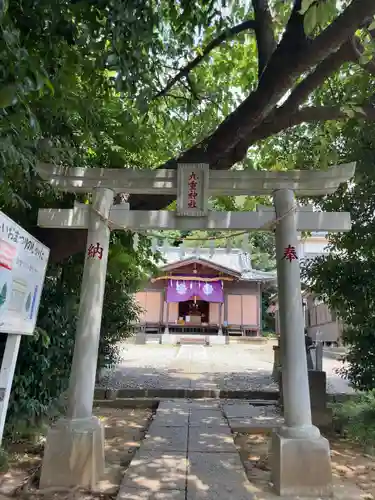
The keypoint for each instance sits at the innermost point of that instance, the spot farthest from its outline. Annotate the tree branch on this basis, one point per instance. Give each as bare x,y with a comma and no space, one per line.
264,33
310,114
224,36
322,71
293,57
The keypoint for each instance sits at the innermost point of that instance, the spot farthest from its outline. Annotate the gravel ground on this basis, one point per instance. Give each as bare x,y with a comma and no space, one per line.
233,367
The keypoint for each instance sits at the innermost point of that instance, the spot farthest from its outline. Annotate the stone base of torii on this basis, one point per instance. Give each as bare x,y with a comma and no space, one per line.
74,453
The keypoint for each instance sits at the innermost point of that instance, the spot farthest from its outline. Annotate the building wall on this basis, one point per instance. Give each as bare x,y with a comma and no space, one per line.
242,304
151,303
311,246
320,322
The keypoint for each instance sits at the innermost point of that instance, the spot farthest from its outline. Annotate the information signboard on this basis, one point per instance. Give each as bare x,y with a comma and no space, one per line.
23,262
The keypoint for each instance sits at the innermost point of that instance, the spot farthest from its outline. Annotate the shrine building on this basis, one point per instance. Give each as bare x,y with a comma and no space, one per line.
203,293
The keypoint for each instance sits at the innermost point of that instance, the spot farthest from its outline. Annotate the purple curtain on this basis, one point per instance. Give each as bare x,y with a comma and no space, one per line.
182,290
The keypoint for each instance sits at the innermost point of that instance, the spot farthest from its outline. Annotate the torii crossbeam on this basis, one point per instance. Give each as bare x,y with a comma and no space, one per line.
192,184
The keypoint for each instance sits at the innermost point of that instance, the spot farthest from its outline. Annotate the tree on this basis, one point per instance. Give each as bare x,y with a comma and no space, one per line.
195,81
344,279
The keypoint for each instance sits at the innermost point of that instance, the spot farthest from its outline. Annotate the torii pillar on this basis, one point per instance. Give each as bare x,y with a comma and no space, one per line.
74,452
301,463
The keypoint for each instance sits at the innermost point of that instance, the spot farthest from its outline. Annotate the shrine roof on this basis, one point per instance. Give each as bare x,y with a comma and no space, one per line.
236,262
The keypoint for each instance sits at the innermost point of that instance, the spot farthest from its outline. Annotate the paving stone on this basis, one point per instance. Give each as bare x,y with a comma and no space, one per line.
157,471
207,417
166,439
211,440
170,421
211,404
217,476
174,406
239,410
250,425
171,417
136,494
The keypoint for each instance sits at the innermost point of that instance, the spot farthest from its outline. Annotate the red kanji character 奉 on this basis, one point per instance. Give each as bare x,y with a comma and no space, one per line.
290,253
95,251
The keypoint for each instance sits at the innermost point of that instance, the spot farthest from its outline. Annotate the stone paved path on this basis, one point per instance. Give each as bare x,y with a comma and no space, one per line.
188,454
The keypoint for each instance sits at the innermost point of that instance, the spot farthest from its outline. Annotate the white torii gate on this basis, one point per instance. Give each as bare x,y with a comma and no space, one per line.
74,450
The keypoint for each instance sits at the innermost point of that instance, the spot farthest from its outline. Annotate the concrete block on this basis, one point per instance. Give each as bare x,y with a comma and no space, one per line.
318,388
157,471
301,467
74,454
166,439
110,481
322,418
211,440
136,494
217,476
140,338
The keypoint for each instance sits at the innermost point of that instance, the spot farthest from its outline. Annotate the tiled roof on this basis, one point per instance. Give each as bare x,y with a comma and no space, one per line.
236,260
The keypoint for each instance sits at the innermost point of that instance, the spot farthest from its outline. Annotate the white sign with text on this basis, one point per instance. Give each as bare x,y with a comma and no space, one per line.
23,263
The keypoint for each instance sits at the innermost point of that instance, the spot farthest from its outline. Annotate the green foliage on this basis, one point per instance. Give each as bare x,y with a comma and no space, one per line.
317,14
344,278
356,420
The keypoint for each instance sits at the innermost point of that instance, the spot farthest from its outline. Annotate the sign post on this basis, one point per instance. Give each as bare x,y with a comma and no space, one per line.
23,263
8,366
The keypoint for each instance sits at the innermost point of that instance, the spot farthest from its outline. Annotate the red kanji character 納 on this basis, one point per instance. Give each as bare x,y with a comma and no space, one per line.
95,251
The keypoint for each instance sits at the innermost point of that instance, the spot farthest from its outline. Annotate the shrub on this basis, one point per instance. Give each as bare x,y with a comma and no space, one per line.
356,420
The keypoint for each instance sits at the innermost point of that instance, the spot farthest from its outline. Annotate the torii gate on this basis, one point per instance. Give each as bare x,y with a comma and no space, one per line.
74,450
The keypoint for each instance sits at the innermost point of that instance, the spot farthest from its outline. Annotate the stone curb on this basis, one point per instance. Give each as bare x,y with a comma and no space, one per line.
110,394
